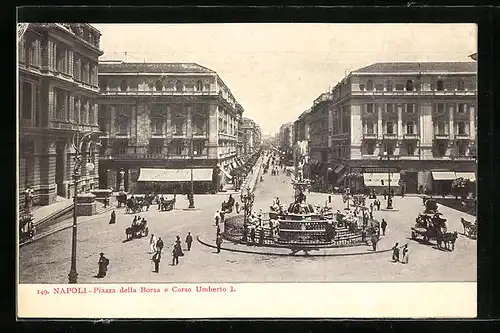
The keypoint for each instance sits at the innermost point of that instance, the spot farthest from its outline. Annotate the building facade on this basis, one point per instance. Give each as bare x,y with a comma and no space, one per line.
286,136
166,116
58,91
408,124
252,136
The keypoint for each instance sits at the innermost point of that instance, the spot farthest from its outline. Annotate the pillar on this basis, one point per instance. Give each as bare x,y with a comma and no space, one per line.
472,122
426,130
400,122
133,121
112,110
189,131
380,128
451,126
47,193
213,136
169,121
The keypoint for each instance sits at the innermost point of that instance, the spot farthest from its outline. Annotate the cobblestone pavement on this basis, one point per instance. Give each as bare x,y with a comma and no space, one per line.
48,260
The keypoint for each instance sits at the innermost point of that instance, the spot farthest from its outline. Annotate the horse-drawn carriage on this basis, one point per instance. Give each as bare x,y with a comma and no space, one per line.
134,205
431,206
167,205
137,230
470,228
227,206
433,227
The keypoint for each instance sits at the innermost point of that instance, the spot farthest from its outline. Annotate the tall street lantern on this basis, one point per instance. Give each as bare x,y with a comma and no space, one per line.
191,195
122,181
389,196
77,144
247,200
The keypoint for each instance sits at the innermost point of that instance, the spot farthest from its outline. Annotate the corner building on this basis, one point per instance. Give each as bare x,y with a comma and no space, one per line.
412,122
160,119
58,91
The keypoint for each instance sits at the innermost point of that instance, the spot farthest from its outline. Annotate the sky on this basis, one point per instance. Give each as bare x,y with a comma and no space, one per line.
275,71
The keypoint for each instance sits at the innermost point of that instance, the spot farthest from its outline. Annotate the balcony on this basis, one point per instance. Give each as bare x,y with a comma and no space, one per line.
441,136
117,92
411,136
136,157
178,135
462,136
370,136
415,93
390,136
158,136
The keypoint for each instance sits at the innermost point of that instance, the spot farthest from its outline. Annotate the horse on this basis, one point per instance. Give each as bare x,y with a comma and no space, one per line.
448,238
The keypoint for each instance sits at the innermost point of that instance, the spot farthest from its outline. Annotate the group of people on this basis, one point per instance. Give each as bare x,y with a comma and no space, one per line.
400,257
156,247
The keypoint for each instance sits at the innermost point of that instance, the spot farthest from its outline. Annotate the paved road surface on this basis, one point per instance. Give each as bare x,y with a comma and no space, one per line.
48,260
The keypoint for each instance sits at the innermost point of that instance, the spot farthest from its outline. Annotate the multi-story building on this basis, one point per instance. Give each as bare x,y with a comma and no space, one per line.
301,141
286,136
252,136
58,91
410,124
159,120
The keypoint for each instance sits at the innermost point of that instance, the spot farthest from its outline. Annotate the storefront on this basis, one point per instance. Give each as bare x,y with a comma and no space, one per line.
442,182
175,180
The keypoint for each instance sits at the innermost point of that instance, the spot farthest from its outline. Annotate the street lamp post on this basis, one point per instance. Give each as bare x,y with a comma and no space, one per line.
77,145
389,196
191,196
247,199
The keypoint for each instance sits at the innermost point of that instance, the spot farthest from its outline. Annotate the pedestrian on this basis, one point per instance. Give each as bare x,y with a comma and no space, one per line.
371,208
106,201
103,266
112,220
159,245
374,240
217,218
175,255
378,204
189,241
385,194
405,254
363,235
218,230
222,215
383,225
152,244
237,205
156,260
395,253
218,242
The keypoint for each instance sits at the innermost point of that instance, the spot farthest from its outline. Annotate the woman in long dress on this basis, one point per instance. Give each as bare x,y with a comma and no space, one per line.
405,254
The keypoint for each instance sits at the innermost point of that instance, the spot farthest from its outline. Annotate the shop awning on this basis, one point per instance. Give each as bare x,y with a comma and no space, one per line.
174,175
228,176
339,168
341,178
466,175
443,175
380,179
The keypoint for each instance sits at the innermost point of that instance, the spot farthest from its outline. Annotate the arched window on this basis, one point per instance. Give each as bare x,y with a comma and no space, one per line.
409,85
388,85
369,85
460,85
159,85
199,86
123,85
178,86
440,85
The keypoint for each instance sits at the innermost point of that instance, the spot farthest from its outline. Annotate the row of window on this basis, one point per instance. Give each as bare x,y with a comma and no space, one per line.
84,110
414,85
411,107
175,148
409,149
159,85
440,128
30,51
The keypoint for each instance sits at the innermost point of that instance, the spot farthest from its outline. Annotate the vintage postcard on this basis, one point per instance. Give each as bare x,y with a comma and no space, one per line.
247,170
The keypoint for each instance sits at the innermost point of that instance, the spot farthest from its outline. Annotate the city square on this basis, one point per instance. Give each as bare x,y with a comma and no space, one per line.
106,138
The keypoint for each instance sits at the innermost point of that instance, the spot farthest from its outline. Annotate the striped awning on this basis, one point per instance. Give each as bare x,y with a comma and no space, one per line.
174,175
339,168
471,176
380,179
443,175
225,173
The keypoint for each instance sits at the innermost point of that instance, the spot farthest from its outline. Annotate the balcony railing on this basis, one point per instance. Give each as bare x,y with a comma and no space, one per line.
411,136
390,136
129,157
158,135
154,92
441,136
122,135
462,136
370,136
415,93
